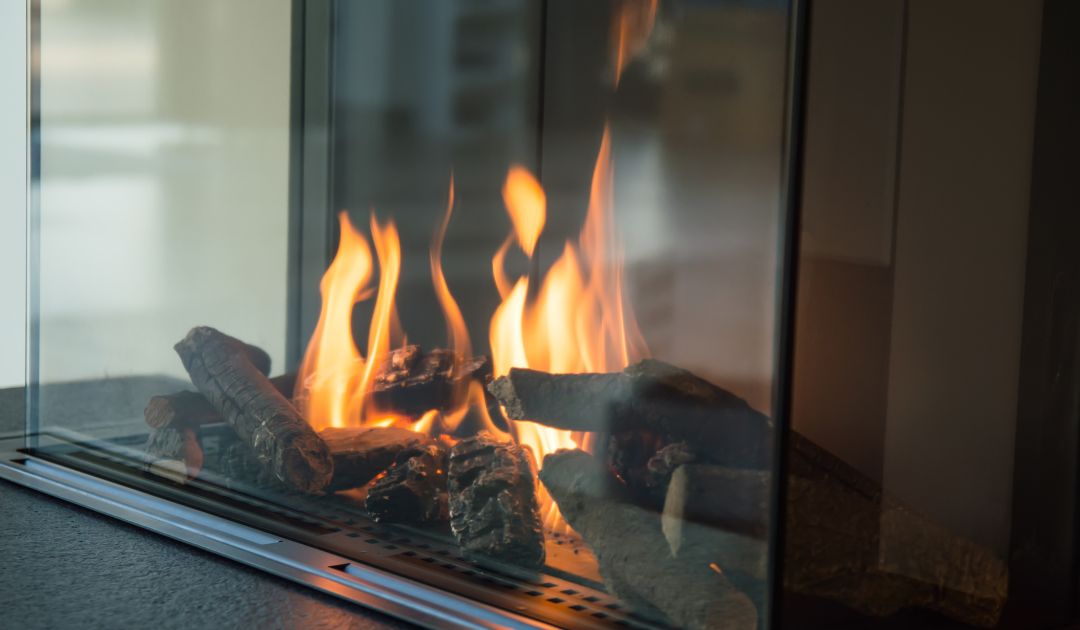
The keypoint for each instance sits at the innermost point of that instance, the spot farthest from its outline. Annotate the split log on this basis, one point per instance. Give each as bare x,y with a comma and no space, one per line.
849,542
173,453
411,381
263,419
492,496
192,409
413,490
634,558
720,515
361,453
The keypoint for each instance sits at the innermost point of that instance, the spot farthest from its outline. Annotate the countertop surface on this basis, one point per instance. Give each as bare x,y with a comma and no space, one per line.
62,566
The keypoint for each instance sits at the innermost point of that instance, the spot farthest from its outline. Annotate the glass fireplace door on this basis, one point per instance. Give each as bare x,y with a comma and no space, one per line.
471,309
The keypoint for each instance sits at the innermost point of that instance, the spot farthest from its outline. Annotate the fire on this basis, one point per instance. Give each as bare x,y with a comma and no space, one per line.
334,376
471,398
528,203
578,321
573,318
331,370
633,23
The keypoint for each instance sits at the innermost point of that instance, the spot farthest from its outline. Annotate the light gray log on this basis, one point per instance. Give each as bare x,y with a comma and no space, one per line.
634,557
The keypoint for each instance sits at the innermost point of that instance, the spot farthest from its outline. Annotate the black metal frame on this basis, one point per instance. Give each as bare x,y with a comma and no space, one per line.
1045,546
787,289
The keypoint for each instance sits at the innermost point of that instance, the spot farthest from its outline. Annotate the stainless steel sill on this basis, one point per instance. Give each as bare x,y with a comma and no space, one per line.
333,574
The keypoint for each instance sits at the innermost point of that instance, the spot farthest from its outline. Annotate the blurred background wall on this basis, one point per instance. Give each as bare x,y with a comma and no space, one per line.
164,205
915,204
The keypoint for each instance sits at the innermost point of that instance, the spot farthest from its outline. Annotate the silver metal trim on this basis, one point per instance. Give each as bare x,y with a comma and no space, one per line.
330,573
33,216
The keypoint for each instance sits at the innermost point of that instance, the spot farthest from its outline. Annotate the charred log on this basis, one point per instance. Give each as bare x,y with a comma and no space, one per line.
173,453
241,468
492,496
182,409
645,462
192,409
413,490
633,555
650,398
361,453
220,368
411,381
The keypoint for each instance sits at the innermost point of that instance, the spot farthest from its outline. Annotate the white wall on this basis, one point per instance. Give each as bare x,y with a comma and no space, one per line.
12,191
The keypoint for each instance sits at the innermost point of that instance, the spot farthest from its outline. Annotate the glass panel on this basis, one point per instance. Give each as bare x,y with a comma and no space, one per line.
164,181
509,285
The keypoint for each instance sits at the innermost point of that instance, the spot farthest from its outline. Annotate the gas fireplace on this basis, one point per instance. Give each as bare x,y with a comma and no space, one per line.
478,312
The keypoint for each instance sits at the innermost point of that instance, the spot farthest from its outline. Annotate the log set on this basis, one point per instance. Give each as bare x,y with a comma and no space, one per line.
221,368
675,441
634,557
492,496
413,489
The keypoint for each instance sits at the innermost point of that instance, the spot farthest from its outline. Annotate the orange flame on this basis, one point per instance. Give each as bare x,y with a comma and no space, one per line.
332,366
633,23
527,203
471,398
388,249
334,377
577,322
573,320
456,331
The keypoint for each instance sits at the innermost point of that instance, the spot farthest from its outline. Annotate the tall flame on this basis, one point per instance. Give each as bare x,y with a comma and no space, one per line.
334,377
332,367
388,249
456,331
469,397
577,321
